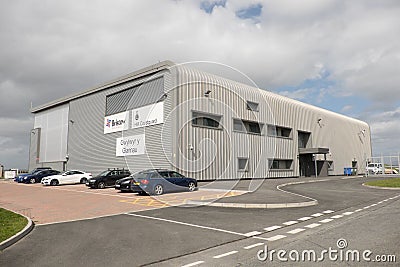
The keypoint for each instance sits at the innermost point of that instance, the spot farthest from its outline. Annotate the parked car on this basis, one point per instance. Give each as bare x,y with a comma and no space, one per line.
107,178
20,178
124,184
37,177
159,181
68,177
374,168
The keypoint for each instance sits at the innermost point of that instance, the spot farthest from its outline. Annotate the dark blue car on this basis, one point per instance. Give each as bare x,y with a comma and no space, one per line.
19,178
37,176
159,181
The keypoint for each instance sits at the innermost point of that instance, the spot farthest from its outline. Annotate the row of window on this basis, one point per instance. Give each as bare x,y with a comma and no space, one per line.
274,164
245,126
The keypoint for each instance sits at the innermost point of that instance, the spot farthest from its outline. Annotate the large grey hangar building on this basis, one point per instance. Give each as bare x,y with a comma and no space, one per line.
203,125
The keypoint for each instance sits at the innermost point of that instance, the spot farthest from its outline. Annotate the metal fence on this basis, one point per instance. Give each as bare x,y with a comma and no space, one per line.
383,165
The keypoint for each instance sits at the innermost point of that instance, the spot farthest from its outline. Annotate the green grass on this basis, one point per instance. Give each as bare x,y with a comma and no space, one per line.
10,224
393,182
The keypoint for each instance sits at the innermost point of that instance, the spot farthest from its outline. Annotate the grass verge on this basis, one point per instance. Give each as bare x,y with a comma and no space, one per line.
393,182
10,224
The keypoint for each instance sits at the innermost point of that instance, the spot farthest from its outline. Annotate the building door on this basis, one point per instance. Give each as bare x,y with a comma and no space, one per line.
306,164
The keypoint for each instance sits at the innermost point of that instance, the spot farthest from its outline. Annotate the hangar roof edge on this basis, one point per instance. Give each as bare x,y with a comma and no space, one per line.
133,75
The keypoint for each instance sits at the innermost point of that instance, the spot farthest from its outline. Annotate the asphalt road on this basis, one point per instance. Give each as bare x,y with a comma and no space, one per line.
208,236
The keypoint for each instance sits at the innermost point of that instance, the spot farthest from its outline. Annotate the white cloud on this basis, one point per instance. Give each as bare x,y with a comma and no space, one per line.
299,94
51,49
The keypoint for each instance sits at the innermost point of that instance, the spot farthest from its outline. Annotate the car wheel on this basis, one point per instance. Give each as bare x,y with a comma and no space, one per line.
192,186
83,181
54,182
101,185
158,190
32,180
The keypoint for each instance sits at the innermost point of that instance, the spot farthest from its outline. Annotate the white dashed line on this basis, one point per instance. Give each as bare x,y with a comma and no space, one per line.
347,213
193,264
295,231
225,254
317,214
380,202
254,245
304,218
326,220
276,237
358,210
328,211
290,222
337,216
183,223
367,207
373,205
313,225
252,233
272,228
385,200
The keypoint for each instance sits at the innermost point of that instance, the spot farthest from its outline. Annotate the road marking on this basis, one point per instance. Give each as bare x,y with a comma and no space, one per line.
225,254
304,218
385,200
272,228
276,237
254,245
358,210
326,220
337,216
328,211
313,225
295,231
193,264
347,213
317,214
290,222
187,224
380,202
252,233
373,205
367,207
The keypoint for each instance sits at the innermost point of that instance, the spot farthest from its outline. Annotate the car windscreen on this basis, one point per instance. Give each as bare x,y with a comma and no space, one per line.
105,173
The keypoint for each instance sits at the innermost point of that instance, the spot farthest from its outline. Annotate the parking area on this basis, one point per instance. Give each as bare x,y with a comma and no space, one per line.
52,204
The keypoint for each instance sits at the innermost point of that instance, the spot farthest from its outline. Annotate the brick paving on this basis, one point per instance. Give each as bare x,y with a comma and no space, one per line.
45,204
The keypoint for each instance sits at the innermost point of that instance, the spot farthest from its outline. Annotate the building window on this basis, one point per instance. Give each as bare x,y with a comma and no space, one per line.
253,106
304,139
251,127
279,131
242,164
206,120
280,164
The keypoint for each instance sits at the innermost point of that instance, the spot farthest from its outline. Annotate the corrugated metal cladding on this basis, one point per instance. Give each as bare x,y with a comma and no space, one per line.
139,95
91,150
206,153
200,152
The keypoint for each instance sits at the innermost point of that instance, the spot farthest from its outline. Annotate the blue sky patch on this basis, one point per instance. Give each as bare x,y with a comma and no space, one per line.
208,6
251,12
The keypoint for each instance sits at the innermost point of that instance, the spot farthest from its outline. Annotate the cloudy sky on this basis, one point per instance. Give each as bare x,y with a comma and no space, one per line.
340,55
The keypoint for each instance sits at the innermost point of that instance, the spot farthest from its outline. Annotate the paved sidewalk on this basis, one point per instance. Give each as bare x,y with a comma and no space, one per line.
263,191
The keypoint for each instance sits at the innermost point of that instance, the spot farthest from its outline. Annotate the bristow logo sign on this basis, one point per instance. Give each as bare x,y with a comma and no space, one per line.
112,123
116,122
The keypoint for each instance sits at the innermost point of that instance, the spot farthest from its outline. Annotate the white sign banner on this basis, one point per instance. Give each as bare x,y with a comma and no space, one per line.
116,123
130,145
148,115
